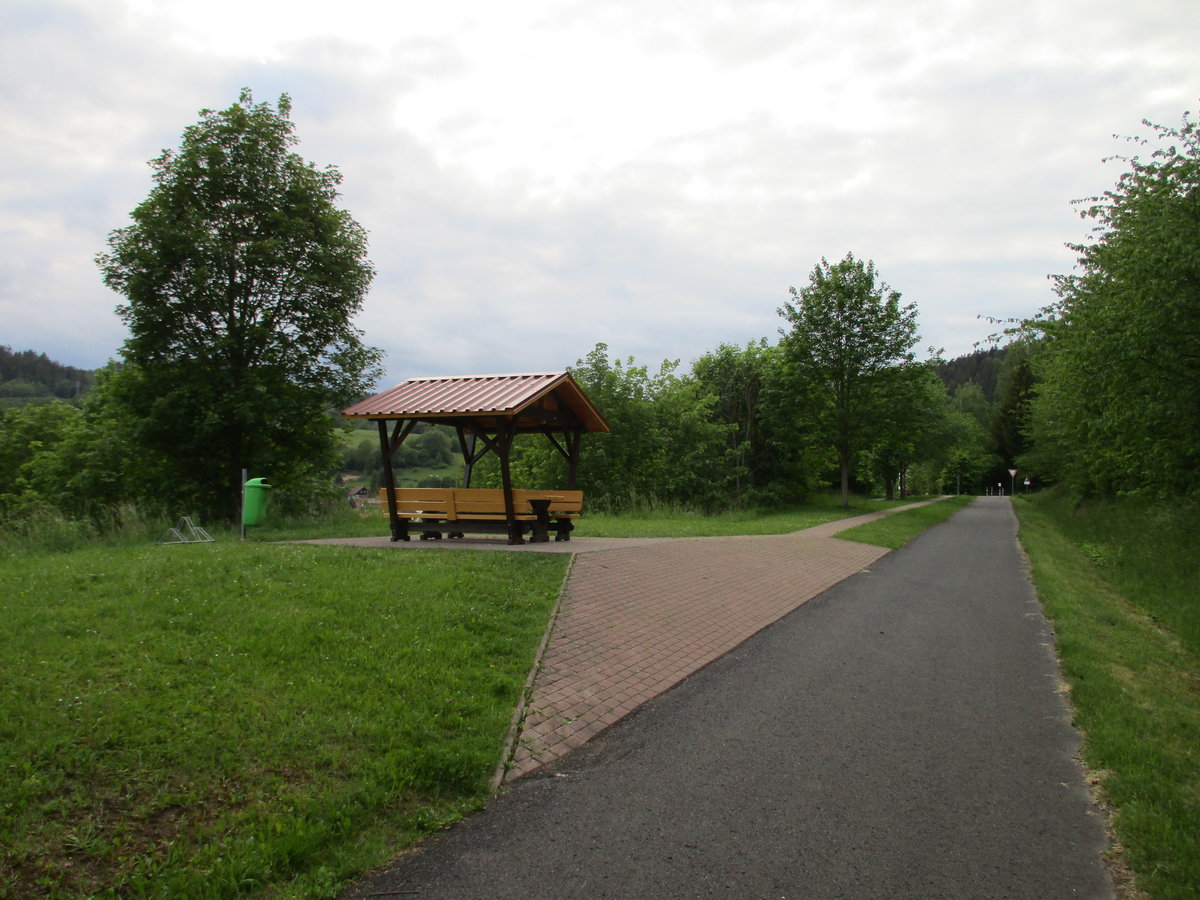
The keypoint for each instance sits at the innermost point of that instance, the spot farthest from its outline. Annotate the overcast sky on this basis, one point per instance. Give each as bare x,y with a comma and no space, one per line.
543,175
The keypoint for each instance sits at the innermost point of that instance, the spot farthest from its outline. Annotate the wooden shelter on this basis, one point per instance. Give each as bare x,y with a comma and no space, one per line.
488,412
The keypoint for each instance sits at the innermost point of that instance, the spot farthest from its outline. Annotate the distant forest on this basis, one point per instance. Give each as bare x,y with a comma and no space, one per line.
31,377
981,367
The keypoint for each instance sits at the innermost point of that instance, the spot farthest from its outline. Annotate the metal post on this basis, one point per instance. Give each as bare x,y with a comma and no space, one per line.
244,473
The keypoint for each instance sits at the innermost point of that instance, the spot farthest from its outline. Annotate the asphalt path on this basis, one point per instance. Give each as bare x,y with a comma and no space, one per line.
902,735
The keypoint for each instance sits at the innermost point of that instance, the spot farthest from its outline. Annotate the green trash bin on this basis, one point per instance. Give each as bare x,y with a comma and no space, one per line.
254,504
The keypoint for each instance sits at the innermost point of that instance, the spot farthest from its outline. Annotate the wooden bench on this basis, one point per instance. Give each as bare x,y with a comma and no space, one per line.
455,511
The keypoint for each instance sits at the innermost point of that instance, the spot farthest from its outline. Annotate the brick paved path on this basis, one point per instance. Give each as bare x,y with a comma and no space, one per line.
637,617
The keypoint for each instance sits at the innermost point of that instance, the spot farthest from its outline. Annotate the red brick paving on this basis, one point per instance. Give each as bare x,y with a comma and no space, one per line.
638,617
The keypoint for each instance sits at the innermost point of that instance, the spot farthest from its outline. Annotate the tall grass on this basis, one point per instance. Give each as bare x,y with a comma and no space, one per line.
1149,551
212,720
1120,582
46,528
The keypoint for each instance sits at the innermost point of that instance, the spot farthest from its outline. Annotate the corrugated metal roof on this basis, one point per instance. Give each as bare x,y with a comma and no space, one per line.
480,396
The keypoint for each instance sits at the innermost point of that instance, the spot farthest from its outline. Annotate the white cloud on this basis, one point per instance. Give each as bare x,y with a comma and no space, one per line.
540,178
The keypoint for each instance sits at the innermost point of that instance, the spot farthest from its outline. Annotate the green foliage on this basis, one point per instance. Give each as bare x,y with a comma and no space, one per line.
429,457
228,719
241,277
19,388
28,376
848,358
361,453
732,435
761,449
663,444
907,425
996,388
1012,412
29,437
963,452
77,463
969,398
981,368
433,448
1118,402
98,464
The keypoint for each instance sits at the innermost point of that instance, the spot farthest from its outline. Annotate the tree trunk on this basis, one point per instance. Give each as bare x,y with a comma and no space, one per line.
844,460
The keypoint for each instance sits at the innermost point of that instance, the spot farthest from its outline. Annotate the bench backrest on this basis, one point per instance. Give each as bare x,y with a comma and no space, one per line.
487,501
452,503
437,502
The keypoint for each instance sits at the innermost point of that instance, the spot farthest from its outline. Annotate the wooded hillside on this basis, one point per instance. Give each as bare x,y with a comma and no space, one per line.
32,377
982,367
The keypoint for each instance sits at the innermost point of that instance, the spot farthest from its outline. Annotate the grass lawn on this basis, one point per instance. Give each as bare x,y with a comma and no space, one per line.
1120,582
210,720
897,530
674,523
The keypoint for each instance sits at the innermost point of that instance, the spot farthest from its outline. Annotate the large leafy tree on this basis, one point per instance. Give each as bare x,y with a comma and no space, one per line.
906,423
1118,403
1014,393
242,277
736,378
663,444
964,453
847,352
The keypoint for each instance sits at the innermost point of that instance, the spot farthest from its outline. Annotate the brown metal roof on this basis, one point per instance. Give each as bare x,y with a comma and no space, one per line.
534,400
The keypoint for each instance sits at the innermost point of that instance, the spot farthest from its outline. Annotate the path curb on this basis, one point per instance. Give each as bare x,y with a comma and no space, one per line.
517,722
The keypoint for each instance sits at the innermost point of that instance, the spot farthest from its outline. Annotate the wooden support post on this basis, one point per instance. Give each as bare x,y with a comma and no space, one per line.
504,440
399,531
466,443
574,440
569,450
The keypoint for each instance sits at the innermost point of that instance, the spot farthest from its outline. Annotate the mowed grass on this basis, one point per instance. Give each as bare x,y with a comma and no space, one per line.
671,522
1122,583
234,719
898,529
